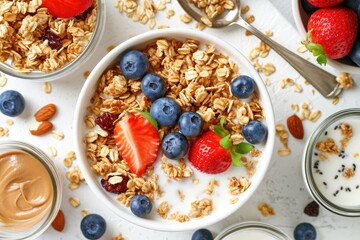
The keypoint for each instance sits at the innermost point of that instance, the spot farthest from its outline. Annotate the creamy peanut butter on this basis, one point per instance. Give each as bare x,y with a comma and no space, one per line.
26,190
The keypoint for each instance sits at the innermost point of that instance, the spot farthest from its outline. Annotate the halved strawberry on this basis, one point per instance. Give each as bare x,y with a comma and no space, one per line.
66,8
138,142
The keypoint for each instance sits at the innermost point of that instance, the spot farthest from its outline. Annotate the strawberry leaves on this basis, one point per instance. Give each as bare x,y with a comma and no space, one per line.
316,49
235,150
146,114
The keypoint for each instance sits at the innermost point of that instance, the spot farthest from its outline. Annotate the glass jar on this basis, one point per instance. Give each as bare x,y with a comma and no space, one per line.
331,176
251,231
12,181
39,76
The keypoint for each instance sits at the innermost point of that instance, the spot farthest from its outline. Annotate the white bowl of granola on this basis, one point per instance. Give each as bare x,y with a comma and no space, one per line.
40,47
183,198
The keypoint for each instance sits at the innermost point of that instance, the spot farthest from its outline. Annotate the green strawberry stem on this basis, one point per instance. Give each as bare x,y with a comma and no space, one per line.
146,114
316,49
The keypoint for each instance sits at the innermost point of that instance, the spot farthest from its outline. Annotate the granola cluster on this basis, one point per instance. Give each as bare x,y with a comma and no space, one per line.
23,23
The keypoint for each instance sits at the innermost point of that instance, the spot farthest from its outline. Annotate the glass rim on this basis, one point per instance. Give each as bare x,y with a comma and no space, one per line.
307,164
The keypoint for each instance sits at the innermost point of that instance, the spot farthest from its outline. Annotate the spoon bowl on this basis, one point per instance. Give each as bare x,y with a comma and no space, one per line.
322,81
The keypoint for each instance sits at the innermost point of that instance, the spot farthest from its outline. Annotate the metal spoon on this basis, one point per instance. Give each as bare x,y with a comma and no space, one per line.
323,81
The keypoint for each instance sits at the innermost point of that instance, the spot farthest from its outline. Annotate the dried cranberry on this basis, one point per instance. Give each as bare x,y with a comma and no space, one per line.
312,209
54,41
115,188
82,16
106,121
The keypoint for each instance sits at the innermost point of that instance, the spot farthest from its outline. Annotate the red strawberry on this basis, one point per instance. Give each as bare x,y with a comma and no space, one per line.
208,156
335,29
138,142
66,8
325,3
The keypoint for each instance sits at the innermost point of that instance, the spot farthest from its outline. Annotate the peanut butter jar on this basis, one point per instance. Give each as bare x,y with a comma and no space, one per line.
30,191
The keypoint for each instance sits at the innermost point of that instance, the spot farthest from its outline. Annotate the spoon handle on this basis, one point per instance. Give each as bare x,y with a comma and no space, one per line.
323,81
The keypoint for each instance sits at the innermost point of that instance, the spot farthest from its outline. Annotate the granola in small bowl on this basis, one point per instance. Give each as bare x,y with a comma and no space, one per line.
36,45
131,157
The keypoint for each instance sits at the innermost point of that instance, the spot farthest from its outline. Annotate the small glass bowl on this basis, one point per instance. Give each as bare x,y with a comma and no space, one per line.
40,227
308,164
251,231
39,76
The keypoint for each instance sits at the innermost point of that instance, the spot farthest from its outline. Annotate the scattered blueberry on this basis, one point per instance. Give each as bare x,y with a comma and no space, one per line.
165,111
305,231
12,103
115,188
308,7
106,121
140,205
153,86
175,145
242,86
54,41
190,124
254,132
355,53
134,64
93,226
202,234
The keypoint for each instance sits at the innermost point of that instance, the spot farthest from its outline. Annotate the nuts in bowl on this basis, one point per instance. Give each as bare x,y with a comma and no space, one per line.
156,123
39,42
334,26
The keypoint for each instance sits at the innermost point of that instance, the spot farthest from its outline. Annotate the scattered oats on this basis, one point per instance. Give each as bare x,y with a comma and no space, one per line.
163,26
298,88
315,115
67,162
170,13
195,180
268,69
250,19
211,186
283,135
74,201
306,82
237,186
181,195
118,237
284,151
9,122
248,33
345,80
301,49
234,200
57,134
179,217
201,208
206,21
110,48
185,18
266,210
269,33
312,91
295,107
163,210
335,100
84,213
151,23
245,9
287,82
4,132
86,74
199,26
73,186
3,80
356,155
53,151
47,87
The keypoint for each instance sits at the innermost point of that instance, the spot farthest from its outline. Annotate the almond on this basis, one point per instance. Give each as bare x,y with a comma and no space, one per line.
45,113
41,128
59,222
295,126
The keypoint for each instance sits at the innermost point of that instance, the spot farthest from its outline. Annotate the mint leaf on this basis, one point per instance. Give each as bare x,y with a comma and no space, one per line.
225,142
243,148
235,157
146,114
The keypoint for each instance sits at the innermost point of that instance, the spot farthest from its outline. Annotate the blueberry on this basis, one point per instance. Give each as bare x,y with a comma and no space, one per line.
190,124
305,231
355,53
202,234
134,64
12,103
308,7
165,111
93,226
153,86
175,145
140,205
254,132
242,86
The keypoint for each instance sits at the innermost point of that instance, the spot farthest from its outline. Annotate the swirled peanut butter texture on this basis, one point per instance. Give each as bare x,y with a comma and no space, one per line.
26,190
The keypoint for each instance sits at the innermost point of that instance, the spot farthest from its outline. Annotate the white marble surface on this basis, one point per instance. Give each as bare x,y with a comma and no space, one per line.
282,188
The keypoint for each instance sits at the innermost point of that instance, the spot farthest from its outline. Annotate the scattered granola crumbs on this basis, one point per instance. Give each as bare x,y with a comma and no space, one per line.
250,167
234,200
348,173
298,88
163,209
269,33
163,26
287,82
267,69
170,13
345,80
201,208
86,74
110,48
179,217
68,160
248,33
84,213
255,152
176,172
283,135
356,155
261,51
185,18
237,186
206,21
211,186
295,107
213,8
347,133
47,87
323,157
328,146
74,201
250,19
301,49
4,132
118,237
57,134
3,80
335,100
266,210
75,177
181,195
306,82
199,26
306,113
312,91
195,180
53,151
267,82
245,9
9,122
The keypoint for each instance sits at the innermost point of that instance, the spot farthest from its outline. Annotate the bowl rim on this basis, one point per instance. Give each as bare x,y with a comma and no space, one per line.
93,79
302,30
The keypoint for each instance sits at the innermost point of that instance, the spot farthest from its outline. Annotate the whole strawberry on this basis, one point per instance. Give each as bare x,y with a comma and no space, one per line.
325,3
332,31
207,155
